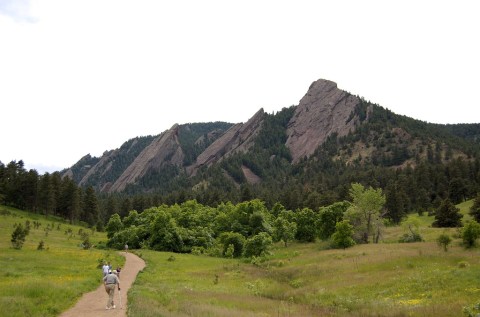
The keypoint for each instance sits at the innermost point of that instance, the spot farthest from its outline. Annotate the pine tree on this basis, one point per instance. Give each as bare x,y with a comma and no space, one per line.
475,209
447,215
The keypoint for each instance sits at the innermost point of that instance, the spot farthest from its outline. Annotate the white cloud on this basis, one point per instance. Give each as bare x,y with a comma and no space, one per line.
18,10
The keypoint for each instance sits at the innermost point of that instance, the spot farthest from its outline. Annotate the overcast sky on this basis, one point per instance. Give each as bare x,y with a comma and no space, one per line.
84,76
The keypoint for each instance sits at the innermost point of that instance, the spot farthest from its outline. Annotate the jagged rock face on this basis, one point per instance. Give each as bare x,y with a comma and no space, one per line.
101,167
239,138
323,110
165,148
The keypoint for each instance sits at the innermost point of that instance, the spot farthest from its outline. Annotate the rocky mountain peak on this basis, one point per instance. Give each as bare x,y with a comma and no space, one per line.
165,148
323,110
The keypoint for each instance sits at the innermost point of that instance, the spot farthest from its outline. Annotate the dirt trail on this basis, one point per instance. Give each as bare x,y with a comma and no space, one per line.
93,304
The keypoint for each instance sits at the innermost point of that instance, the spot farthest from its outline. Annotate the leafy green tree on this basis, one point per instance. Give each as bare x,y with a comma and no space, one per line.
328,218
306,230
131,219
130,236
447,215
365,212
343,235
235,239
412,228
470,234
165,234
284,230
258,245
444,241
475,209
114,225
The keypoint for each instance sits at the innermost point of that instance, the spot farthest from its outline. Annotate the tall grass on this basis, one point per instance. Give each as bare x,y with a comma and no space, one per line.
386,279
46,282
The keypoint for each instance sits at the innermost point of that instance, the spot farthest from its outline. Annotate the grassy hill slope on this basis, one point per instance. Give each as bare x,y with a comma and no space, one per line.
386,279
46,282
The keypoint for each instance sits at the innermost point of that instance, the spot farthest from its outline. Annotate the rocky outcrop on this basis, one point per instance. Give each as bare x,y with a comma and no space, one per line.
323,110
239,138
250,176
101,167
164,149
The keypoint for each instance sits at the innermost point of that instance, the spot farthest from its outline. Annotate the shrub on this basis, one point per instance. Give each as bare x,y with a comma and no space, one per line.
470,233
258,245
444,240
342,237
411,237
235,239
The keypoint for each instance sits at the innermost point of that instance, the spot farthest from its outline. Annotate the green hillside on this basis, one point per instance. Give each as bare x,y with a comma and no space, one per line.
46,282
303,279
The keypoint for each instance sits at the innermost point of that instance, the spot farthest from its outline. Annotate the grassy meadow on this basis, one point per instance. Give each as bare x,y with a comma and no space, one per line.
47,282
385,279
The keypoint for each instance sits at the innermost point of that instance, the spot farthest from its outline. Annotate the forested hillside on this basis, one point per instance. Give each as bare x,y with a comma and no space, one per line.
417,164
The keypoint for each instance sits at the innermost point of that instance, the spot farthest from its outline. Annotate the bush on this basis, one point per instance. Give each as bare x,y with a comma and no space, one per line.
342,237
258,245
235,239
411,237
444,240
470,234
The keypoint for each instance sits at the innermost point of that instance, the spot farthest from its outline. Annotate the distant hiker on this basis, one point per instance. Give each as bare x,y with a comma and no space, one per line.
126,248
118,271
105,269
110,280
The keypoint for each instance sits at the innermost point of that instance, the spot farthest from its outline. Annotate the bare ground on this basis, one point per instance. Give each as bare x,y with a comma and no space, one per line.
93,304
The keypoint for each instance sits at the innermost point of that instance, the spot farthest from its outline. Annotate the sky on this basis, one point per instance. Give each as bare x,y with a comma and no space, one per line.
82,77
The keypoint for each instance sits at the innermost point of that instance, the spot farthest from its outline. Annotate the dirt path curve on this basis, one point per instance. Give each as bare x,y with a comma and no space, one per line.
93,304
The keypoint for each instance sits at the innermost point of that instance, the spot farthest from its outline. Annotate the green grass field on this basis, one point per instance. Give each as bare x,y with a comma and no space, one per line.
386,279
46,282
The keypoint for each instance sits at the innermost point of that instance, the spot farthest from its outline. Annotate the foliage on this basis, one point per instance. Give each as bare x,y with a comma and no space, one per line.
444,241
343,235
258,245
306,230
18,236
114,225
475,209
413,234
365,212
233,244
470,233
284,230
328,218
447,215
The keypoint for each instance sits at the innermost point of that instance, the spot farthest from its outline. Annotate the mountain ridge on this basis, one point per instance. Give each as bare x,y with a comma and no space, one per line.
327,124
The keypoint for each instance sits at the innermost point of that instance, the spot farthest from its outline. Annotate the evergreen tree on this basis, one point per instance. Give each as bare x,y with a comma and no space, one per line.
475,209
90,207
447,215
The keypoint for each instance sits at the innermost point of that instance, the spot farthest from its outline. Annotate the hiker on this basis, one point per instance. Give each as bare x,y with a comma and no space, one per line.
118,271
110,280
105,269
126,248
